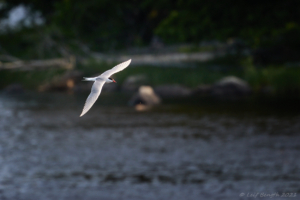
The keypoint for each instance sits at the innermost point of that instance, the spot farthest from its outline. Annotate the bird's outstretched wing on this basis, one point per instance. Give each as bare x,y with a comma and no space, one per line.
116,69
95,92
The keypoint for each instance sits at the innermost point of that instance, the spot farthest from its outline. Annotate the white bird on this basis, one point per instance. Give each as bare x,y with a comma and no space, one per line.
98,84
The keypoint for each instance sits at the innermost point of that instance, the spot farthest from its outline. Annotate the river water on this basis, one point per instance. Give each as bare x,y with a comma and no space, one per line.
176,151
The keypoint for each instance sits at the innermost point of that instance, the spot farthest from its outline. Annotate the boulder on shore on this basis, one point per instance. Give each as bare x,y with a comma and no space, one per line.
231,87
145,96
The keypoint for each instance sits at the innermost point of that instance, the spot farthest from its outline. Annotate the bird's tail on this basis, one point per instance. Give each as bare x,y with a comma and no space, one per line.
89,79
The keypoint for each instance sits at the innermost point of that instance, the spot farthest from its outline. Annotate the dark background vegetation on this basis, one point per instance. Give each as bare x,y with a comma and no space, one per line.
105,25
269,29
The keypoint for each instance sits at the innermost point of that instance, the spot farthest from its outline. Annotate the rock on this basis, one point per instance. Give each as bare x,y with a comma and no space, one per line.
15,88
171,91
229,87
145,96
132,83
64,82
202,90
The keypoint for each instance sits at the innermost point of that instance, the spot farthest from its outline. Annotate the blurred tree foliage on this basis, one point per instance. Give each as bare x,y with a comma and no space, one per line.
76,25
254,21
96,24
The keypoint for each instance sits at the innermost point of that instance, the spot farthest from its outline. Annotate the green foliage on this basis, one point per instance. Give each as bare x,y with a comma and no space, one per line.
93,67
99,24
105,25
28,79
32,43
282,79
256,22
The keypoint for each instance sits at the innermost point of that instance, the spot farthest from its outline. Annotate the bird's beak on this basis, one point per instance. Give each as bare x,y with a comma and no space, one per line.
114,81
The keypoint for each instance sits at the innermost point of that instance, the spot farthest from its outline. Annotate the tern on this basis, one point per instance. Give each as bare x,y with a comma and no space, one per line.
98,84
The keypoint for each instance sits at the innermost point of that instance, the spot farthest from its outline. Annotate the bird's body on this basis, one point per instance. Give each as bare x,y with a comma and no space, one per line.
98,84
106,80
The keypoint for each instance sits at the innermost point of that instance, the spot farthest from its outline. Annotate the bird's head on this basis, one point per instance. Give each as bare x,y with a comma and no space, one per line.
112,80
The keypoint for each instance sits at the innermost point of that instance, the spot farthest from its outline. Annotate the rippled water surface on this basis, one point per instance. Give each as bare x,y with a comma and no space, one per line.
174,152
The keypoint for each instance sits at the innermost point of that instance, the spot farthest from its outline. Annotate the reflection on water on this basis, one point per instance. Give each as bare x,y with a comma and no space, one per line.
199,151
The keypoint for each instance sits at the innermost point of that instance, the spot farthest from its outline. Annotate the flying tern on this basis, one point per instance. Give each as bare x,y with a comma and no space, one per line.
98,84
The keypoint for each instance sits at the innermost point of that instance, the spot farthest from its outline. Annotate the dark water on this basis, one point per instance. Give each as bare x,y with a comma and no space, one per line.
208,150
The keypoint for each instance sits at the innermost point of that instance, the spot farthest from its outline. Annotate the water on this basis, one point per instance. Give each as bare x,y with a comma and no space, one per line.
207,150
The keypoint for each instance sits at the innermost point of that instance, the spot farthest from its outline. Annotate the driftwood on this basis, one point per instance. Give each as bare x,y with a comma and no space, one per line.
172,59
65,63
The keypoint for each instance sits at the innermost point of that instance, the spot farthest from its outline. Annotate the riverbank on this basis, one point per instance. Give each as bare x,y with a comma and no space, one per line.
194,72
